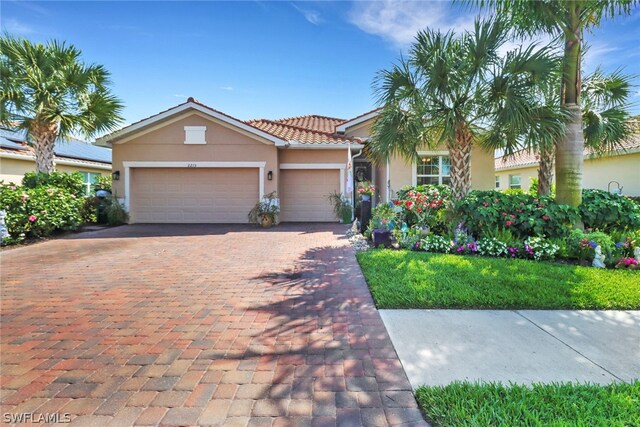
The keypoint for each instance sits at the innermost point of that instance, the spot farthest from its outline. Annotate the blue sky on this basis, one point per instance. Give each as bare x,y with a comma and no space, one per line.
263,59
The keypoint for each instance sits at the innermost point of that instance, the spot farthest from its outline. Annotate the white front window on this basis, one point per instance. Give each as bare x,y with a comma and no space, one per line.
433,169
195,134
514,181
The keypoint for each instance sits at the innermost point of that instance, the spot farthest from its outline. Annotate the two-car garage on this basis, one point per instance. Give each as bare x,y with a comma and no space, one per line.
193,195
194,164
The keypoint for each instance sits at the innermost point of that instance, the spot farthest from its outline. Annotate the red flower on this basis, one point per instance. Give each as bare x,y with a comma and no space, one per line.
419,210
512,216
545,217
508,223
504,214
485,204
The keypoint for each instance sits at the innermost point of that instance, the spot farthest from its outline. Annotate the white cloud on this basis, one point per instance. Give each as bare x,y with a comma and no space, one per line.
399,21
227,88
313,16
596,53
13,26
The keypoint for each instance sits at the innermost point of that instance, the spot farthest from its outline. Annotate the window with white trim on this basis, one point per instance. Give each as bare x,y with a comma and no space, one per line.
89,178
497,182
514,181
433,169
195,134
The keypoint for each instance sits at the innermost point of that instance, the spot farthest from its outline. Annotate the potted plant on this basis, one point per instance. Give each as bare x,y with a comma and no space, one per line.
341,206
366,190
265,211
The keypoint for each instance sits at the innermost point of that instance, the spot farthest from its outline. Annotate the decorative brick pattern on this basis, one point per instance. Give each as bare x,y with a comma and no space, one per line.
198,324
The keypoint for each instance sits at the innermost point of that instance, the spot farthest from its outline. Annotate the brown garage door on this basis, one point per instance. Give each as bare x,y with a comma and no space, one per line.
177,195
304,194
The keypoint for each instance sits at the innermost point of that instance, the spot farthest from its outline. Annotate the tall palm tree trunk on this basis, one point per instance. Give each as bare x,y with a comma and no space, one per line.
460,154
44,138
545,170
570,150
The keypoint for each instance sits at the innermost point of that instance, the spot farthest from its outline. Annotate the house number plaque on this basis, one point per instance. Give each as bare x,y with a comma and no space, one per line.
192,165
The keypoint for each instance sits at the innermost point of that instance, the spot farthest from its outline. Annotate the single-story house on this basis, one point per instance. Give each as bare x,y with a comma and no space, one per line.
192,163
17,157
618,169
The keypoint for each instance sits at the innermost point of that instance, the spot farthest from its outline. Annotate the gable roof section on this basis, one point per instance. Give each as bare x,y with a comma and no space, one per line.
342,127
190,104
291,133
313,122
524,158
70,149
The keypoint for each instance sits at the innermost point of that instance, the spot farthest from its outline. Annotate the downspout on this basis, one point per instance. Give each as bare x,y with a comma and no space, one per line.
353,195
388,195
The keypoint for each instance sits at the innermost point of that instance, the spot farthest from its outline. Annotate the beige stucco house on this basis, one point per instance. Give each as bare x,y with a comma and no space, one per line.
610,171
17,158
192,163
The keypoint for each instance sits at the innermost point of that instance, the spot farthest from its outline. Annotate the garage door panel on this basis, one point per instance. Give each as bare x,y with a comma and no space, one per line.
304,194
185,195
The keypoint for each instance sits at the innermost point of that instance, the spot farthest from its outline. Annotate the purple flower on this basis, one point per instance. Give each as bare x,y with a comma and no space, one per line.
619,244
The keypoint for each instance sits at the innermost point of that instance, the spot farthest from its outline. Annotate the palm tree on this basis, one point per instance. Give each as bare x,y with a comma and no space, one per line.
605,117
47,91
457,91
566,20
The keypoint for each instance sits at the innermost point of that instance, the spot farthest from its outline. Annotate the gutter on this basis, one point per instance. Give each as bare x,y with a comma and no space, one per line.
59,161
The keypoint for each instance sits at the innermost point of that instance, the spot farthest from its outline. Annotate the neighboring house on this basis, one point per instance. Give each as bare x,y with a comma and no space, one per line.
192,163
17,158
619,168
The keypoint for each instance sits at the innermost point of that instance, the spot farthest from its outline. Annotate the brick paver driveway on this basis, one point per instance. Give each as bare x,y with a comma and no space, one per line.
197,325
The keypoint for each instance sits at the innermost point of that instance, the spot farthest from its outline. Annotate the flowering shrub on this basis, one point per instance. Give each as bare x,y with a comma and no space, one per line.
422,205
384,216
70,182
490,246
435,243
606,211
40,211
539,248
628,263
582,245
463,242
523,214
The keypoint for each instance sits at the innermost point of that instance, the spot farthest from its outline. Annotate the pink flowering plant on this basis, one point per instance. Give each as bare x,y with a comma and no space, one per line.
423,205
524,215
627,263
366,189
38,212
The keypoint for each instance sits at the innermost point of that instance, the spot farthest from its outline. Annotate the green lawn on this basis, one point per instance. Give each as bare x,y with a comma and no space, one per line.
405,279
467,404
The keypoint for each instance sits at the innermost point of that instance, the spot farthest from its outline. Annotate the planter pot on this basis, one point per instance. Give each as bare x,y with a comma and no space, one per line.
346,217
266,221
381,237
366,198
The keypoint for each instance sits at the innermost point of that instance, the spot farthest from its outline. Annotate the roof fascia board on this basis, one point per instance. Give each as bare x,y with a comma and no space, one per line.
184,107
296,145
351,123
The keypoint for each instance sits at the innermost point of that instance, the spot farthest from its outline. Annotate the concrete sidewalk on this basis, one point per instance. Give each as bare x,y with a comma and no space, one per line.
437,347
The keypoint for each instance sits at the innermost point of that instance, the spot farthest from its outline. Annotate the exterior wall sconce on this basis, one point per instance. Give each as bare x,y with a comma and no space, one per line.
115,176
270,175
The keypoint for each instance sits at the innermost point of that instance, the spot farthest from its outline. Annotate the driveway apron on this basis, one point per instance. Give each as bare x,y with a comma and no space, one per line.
197,325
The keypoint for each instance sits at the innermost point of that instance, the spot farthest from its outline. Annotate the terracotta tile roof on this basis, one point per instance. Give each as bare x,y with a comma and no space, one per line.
290,132
313,122
526,158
